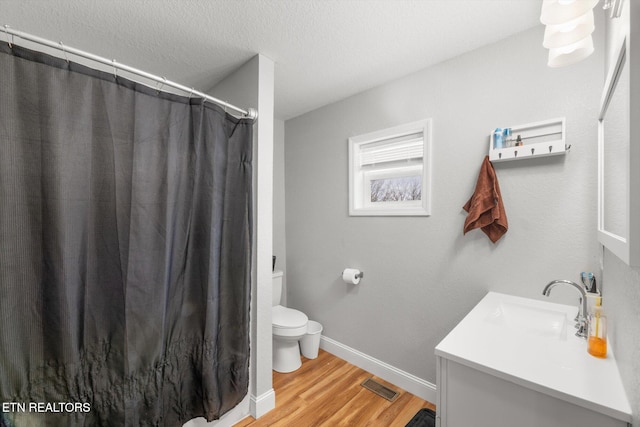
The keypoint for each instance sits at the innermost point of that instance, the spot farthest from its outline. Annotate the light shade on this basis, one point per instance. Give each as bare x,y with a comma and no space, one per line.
570,32
555,12
567,55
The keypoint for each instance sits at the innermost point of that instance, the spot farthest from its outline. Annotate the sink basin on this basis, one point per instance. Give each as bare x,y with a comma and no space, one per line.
528,319
532,343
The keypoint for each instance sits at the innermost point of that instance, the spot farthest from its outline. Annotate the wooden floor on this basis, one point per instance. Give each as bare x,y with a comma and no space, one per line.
326,392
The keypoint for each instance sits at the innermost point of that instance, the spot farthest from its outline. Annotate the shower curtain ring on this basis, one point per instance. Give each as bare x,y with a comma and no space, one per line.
64,52
115,70
191,93
160,84
9,41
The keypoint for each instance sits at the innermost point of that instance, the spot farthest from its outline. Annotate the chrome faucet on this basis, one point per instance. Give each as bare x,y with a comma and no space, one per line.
581,318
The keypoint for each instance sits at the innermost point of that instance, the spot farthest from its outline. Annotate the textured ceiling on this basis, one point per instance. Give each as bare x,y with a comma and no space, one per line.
324,50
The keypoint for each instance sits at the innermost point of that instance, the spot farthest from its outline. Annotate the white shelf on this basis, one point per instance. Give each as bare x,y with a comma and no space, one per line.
540,139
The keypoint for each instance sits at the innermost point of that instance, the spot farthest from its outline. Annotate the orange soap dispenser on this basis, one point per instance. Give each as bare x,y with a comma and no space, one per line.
597,343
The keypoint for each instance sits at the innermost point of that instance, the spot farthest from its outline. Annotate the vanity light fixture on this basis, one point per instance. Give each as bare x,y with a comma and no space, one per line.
569,24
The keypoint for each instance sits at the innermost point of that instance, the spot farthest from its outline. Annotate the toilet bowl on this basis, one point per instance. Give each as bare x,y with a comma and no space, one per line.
288,327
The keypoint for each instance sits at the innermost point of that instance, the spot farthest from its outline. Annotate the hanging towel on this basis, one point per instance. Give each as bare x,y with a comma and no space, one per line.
485,207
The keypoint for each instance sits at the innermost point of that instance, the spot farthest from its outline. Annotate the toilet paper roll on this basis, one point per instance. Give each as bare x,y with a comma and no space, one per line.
351,276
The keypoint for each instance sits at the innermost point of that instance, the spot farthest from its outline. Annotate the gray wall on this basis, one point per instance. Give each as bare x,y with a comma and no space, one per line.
621,283
421,274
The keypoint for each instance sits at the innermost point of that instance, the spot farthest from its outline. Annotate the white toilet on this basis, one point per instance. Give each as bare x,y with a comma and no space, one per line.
288,327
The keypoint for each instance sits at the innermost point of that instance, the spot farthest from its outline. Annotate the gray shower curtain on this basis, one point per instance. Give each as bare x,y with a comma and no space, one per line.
125,250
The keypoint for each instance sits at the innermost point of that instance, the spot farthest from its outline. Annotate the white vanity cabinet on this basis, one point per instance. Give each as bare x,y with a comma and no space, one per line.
515,362
469,397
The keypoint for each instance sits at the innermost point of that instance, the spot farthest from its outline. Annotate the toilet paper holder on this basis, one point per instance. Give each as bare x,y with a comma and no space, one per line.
360,275
352,276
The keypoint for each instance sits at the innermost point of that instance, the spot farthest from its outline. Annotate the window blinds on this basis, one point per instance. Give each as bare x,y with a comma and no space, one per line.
404,147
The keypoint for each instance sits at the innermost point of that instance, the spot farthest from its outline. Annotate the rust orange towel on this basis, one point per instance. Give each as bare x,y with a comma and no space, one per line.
485,207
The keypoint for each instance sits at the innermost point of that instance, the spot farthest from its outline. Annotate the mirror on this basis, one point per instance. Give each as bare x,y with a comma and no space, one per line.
614,124
614,163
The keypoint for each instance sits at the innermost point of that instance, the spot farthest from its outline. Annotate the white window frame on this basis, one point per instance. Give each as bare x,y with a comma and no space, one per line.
360,180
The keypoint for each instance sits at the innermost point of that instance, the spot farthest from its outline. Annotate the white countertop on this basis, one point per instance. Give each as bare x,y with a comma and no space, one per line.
532,343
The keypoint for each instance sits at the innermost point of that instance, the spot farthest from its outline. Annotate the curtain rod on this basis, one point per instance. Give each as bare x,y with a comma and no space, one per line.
250,113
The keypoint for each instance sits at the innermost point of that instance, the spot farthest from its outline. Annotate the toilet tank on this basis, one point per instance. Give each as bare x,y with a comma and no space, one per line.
277,287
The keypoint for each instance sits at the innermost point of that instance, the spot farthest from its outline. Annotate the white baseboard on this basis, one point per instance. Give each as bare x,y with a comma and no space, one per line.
395,376
260,405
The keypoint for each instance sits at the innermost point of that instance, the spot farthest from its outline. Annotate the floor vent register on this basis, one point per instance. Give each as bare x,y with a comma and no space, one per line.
380,389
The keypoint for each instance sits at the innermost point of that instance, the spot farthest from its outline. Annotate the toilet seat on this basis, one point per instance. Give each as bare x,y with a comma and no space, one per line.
288,322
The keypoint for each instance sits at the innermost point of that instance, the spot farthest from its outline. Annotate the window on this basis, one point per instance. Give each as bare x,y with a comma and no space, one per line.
389,171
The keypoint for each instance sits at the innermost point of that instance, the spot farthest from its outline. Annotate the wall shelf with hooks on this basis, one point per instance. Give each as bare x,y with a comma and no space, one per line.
540,139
